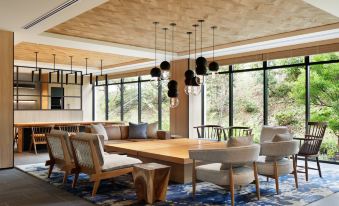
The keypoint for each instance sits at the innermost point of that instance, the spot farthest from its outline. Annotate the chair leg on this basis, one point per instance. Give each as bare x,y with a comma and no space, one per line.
319,170
276,177
51,166
256,180
193,179
95,187
30,146
306,168
267,179
295,173
64,181
231,185
75,179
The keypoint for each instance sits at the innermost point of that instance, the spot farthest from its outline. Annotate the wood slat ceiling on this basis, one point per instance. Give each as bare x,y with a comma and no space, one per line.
25,51
130,22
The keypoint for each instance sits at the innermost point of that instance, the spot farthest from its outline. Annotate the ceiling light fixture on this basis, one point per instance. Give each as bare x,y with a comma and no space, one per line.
201,62
155,71
213,66
97,77
90,74
191,85
54,70
36,67
165,65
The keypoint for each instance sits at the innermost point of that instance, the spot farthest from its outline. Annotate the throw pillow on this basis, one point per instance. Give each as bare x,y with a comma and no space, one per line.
113,132
282,137
100,130
237,142
152,130
137,131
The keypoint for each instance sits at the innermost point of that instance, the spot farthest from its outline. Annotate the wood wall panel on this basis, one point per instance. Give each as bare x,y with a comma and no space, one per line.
6,100
179,118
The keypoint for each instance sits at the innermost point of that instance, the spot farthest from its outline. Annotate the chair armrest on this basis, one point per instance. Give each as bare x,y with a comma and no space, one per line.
283,148
306,139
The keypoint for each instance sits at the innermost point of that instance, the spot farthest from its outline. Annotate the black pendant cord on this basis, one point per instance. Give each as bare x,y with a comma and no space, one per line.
155,42
213,28
54,62
71,64
172,25
36,61
101,67
189,49
165,29
86,65
195,40
201,21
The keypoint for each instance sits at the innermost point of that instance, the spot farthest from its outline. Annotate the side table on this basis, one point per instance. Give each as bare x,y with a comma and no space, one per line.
151,181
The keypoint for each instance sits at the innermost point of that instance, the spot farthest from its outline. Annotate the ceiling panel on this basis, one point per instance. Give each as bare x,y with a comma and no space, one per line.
130,22
25,51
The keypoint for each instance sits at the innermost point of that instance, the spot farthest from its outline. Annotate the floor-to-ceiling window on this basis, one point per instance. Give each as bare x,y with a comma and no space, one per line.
248,98
165,107
130,105
114,100
99,104
216,99
149,100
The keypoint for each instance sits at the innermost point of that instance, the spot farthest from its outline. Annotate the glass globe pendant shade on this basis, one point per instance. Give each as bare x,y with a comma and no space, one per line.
174,102
155,76
166,75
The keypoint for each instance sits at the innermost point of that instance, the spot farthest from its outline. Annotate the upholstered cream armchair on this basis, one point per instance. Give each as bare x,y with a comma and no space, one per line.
276,160
89,158
229,167
60,153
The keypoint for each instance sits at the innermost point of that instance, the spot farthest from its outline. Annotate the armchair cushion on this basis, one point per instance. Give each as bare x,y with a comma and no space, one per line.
137,131
99,129
285,166
152,129
115,161
278,150
212,173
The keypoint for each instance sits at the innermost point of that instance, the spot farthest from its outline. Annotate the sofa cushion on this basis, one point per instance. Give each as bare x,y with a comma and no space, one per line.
141,140
113,132
124,131
137,131
99,129
152,129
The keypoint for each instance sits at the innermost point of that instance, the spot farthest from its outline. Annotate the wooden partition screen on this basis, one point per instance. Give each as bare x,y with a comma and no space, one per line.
6,99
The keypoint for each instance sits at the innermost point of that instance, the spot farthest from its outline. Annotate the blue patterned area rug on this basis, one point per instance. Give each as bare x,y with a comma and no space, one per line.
120,190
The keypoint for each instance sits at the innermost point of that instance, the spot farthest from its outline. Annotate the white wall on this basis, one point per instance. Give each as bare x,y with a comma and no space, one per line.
194,115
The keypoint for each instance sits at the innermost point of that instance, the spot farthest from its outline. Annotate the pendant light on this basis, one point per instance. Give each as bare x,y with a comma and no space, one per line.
172,85
36,67
54,70
90,74
213,66
201,62
97,77
155,71
191,85
71,58
165,65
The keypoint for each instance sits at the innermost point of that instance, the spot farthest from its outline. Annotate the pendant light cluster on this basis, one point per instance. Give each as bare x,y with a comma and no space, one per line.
193,79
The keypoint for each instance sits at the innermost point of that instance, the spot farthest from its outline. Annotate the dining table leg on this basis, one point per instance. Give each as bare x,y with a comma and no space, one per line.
20,140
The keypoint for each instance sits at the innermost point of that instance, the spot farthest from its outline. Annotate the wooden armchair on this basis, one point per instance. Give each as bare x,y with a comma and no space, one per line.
310,145
71,129
89,158
39,136
234,131
210,132
60,153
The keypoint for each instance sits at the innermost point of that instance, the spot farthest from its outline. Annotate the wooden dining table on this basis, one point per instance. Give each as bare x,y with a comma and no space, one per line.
19,128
